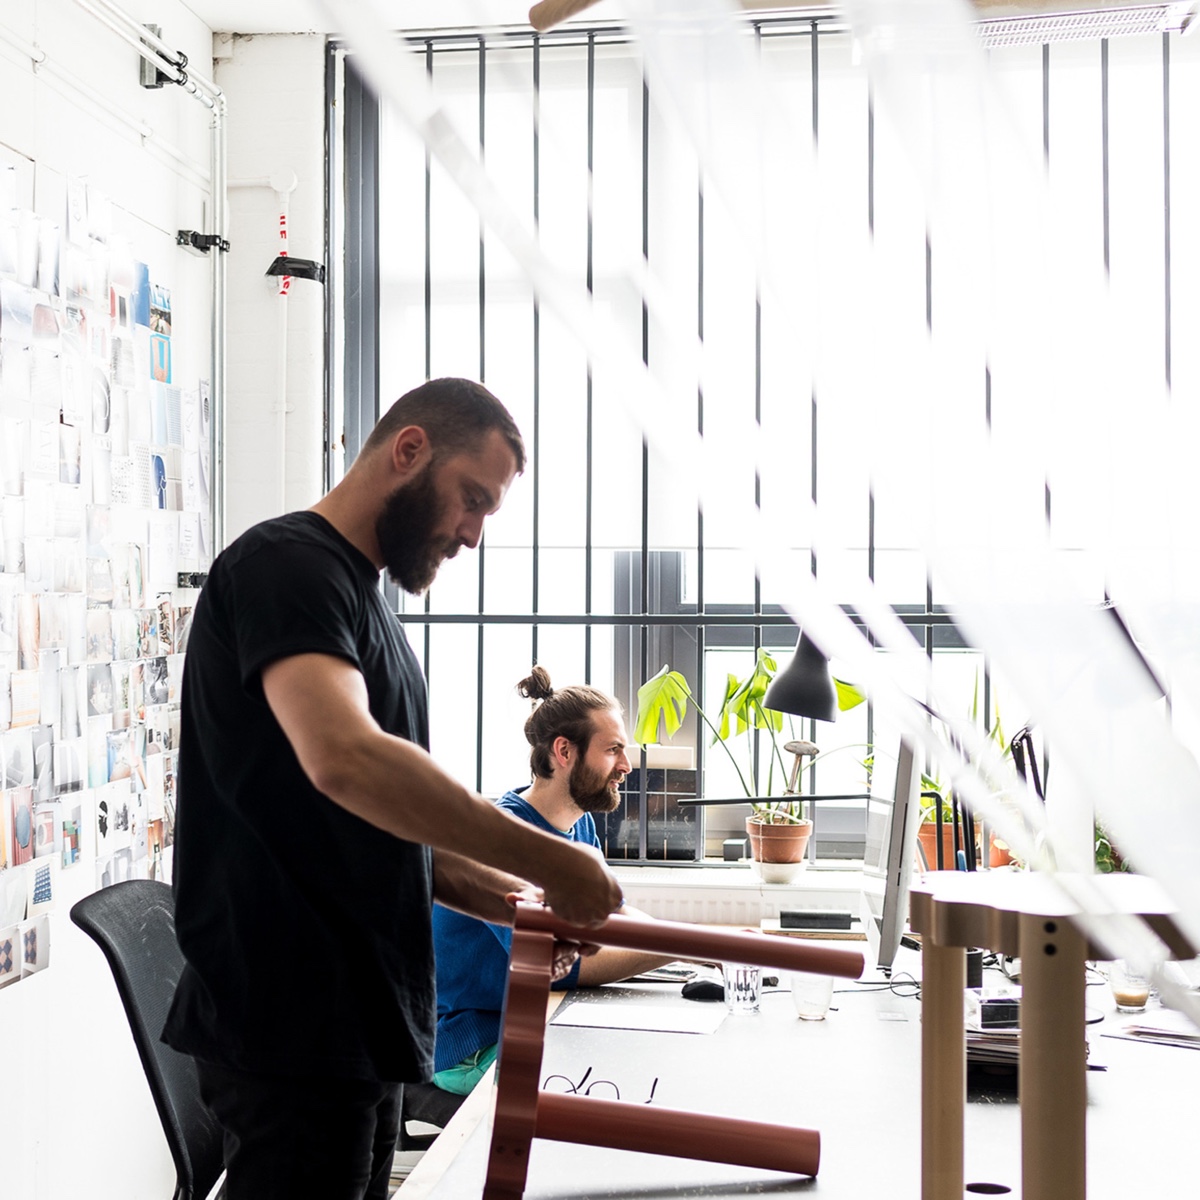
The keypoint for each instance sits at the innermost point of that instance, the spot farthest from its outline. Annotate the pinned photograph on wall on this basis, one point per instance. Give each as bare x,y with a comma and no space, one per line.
101,470
158,413
99,583
160,358
46,819
166,623
156,681
183,628
99,635
50,687
40,884
140,292
158,481
8,608
16,376
16,313
39,565
35,945
29,629
174,677
5,832
99,529
73,686
20,824
53,632
101,397
121,361
29,230
160,309
125,633
68,766
5,703
10,955
99,690
26,698
46,391
174,415
67,555
125,763
42,737
70,838
97,749
70,455
110,798
14,897
147,632
76,630
16,759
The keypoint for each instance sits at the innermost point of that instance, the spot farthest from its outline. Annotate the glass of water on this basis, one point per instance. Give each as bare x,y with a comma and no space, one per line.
743,987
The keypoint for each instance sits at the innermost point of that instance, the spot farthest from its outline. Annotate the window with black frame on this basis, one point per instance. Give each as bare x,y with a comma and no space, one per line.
603,565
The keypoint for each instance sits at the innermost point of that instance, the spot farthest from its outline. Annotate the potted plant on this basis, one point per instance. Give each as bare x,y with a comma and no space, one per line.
777,829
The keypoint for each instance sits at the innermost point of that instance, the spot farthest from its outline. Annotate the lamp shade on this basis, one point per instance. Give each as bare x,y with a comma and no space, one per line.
804,687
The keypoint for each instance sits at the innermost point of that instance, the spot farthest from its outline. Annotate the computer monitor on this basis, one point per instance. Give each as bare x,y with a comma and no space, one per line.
893,817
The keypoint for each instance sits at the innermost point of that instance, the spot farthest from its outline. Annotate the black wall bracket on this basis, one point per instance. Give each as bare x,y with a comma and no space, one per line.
201,243
298,268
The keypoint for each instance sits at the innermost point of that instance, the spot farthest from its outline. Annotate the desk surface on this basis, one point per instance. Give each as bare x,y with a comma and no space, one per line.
854,1076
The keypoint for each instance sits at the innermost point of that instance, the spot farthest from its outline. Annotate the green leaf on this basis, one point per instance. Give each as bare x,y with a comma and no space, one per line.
731,689
664,696
848,696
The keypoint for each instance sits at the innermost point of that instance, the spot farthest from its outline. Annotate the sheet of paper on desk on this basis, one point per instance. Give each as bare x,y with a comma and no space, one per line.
695,1018
1164,1027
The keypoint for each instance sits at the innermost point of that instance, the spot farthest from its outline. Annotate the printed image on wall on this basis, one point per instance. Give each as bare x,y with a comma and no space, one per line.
104,498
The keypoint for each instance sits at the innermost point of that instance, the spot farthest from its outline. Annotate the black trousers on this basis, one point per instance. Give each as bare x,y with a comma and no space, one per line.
331,1139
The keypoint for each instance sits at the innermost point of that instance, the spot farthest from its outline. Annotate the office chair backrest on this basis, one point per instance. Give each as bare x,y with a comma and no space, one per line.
134,924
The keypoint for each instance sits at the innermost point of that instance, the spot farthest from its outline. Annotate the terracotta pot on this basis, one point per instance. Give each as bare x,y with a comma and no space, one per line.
927,836
999,855
778,843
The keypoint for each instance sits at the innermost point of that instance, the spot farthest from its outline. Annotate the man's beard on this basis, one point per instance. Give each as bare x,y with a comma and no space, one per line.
590,789
404,530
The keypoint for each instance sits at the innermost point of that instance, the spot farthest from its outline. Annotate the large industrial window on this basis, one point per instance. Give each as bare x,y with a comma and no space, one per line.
601,565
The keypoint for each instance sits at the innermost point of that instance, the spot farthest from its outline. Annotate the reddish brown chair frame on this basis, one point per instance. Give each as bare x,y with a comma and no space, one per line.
523,1114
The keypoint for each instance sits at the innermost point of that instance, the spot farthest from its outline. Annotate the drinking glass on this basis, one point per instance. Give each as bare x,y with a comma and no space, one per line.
743,987
811,995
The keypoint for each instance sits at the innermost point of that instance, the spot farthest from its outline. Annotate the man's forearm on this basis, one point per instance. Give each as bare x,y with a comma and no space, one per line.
477,890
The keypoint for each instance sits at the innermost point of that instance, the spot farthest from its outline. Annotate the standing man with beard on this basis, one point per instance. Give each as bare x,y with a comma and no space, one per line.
313,829
577,755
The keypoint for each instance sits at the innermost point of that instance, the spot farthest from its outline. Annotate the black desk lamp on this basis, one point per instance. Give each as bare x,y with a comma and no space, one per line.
804,687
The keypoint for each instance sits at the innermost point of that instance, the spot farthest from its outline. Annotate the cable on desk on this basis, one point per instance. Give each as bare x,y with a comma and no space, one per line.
900,984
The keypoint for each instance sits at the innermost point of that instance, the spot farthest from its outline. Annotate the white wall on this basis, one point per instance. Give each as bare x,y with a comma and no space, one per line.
275,86
75,1110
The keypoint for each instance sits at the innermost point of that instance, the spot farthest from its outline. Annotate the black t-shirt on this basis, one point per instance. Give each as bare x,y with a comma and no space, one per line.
307,931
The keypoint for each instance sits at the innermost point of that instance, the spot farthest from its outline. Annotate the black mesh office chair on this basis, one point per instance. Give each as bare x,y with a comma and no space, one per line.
134,924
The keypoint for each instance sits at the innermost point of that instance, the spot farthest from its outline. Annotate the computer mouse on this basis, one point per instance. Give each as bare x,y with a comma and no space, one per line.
704,987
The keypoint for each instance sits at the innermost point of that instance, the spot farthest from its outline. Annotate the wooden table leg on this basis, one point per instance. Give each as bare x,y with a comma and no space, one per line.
1053,1071
943,1071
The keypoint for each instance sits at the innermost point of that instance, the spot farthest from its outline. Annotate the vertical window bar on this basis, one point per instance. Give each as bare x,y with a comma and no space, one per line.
701,822
1166,65
1046,103
428,631
428,237
482,377
643,806
537,343
1104,147
815,52
588,482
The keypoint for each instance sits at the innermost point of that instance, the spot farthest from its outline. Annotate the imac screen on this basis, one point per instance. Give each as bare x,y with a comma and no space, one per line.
893,815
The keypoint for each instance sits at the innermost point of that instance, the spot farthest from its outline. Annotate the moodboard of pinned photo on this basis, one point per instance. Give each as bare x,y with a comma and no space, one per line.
103,494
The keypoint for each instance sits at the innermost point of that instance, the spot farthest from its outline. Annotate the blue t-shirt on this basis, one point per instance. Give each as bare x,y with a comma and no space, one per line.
472,958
